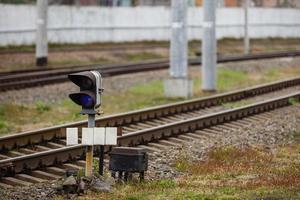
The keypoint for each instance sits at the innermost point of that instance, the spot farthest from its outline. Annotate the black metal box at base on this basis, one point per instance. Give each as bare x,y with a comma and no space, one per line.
128,159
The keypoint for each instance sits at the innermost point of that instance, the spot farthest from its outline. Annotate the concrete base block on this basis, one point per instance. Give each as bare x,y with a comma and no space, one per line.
41,61
178,87
209,91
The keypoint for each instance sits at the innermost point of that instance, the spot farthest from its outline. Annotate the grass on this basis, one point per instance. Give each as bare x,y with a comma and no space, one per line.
137,57
4,128
137,97
88,45
42,107
77,62
15,118
231,78
237,104
251,173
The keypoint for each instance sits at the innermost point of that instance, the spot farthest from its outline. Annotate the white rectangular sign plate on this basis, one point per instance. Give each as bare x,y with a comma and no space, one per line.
99,136
111,135
87,136
72,136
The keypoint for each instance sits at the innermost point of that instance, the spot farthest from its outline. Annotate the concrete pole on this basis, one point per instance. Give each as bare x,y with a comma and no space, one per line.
178,85
209,46
89,149
142,2
115,3
77,3
41,49
246,28
178,54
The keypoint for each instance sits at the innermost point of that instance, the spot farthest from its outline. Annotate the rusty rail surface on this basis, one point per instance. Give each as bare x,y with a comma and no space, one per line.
57,75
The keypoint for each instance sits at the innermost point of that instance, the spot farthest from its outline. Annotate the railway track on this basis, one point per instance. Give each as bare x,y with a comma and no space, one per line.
38,77
36,156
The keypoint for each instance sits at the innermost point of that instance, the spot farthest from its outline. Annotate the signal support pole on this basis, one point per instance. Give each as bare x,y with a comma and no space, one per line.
89,149
209,46
178,85
41,33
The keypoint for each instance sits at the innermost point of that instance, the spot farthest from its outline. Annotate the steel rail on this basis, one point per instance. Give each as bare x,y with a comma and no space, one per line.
201,122
25,164
35,78
58,132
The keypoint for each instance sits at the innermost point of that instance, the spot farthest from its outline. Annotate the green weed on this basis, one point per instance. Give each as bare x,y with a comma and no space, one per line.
167,183
237,104
160,185
132,198
182,163
271,74
42,106
296,136
142,56
227,190
80,173
294,101
4,128
194,196
228,78
271,194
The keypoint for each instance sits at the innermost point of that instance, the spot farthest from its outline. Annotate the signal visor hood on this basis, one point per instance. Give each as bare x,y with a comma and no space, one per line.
85,80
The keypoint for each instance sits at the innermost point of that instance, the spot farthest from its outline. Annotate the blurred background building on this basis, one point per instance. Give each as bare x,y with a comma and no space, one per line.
221,3
89,21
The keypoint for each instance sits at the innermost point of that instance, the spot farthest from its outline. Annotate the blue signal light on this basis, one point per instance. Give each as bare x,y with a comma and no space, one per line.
86,101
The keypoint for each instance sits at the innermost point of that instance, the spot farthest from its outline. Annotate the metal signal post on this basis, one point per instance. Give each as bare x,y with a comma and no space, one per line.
90,150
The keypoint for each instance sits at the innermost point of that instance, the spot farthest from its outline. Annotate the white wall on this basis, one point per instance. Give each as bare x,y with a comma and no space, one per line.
69,24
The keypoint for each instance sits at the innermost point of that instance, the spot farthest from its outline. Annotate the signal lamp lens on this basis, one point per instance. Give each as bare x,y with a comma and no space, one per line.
86,101
86,83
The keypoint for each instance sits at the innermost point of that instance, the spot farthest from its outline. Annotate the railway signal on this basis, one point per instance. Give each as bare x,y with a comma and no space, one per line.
89,97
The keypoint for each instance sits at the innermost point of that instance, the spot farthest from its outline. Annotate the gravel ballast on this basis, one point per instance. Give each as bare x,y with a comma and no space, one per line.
266,134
